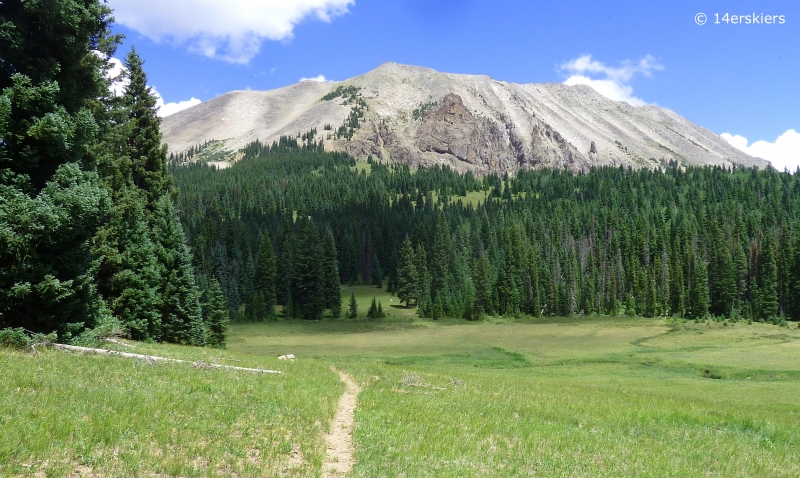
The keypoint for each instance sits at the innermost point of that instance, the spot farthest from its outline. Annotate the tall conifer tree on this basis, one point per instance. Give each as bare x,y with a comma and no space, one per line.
148,155
407,276
769,278
217,323
330,272
179,304
51,200
263,299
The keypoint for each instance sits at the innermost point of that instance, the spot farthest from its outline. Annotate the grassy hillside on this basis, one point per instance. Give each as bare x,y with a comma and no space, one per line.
500,397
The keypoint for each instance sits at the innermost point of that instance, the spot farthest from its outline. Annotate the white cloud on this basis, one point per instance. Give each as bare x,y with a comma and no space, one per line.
614,83
229,30
784,153
166,109
318,78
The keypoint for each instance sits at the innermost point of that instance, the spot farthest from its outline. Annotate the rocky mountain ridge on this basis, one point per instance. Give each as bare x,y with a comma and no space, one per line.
419,116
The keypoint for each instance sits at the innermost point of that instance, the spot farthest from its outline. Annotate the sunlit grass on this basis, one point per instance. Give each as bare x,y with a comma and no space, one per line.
62,413
561,397
600,396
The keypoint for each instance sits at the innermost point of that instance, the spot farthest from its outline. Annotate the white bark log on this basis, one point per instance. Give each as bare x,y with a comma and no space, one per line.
153,358
117,342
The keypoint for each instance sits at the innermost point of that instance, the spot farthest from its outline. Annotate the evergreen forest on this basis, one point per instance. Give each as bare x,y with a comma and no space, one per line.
283,228
90,243
101,233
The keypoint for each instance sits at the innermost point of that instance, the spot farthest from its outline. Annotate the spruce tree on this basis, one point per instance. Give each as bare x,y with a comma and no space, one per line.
308,300
51,201
424,302
148,156
381,314
285,277
697,298
352,312
179,297
128,271
217,323
407,277
372,313
263,298
769,279
442,250
793,305
330,272
482,287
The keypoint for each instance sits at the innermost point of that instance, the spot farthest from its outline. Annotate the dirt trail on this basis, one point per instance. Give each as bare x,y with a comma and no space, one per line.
339,442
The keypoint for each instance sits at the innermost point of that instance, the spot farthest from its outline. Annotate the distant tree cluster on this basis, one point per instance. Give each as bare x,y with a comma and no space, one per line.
420,111
354,119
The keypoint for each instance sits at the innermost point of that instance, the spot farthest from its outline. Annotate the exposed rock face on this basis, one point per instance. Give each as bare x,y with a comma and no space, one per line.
451,129
418,116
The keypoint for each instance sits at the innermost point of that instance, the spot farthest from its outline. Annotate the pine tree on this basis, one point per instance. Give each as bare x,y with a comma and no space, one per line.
697,298
148,156
437,311
178,295
482,286
407,277
769,279
793,305
263,298
352,312
128,272
308,300
442,250
51,199
285,277
217,323
332,284
372,313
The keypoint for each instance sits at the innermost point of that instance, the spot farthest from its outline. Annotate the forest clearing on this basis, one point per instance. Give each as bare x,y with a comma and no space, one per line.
499,397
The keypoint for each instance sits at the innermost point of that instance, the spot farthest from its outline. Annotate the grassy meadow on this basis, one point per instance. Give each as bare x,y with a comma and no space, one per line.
500,397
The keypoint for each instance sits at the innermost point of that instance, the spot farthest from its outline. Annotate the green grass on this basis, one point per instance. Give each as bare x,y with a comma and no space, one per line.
362,166
62,413
501,397
559,397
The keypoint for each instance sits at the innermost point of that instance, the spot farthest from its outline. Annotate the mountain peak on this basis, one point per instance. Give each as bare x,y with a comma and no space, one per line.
419,116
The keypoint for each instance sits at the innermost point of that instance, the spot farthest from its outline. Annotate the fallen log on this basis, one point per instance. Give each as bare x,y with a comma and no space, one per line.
117,342
154,358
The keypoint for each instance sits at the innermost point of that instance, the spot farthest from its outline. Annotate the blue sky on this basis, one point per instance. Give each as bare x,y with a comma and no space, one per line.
739,79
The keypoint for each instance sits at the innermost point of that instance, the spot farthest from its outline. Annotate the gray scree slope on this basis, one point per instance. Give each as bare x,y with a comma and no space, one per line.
477,124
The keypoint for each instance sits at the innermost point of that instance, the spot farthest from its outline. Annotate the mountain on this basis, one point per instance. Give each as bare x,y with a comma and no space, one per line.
419,116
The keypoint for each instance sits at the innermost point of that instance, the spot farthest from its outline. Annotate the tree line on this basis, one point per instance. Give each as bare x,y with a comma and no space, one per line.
676,241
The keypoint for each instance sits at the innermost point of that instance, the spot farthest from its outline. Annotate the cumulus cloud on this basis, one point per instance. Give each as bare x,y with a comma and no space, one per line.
166,109
614,83
229,30
783,153
120,81
318,78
